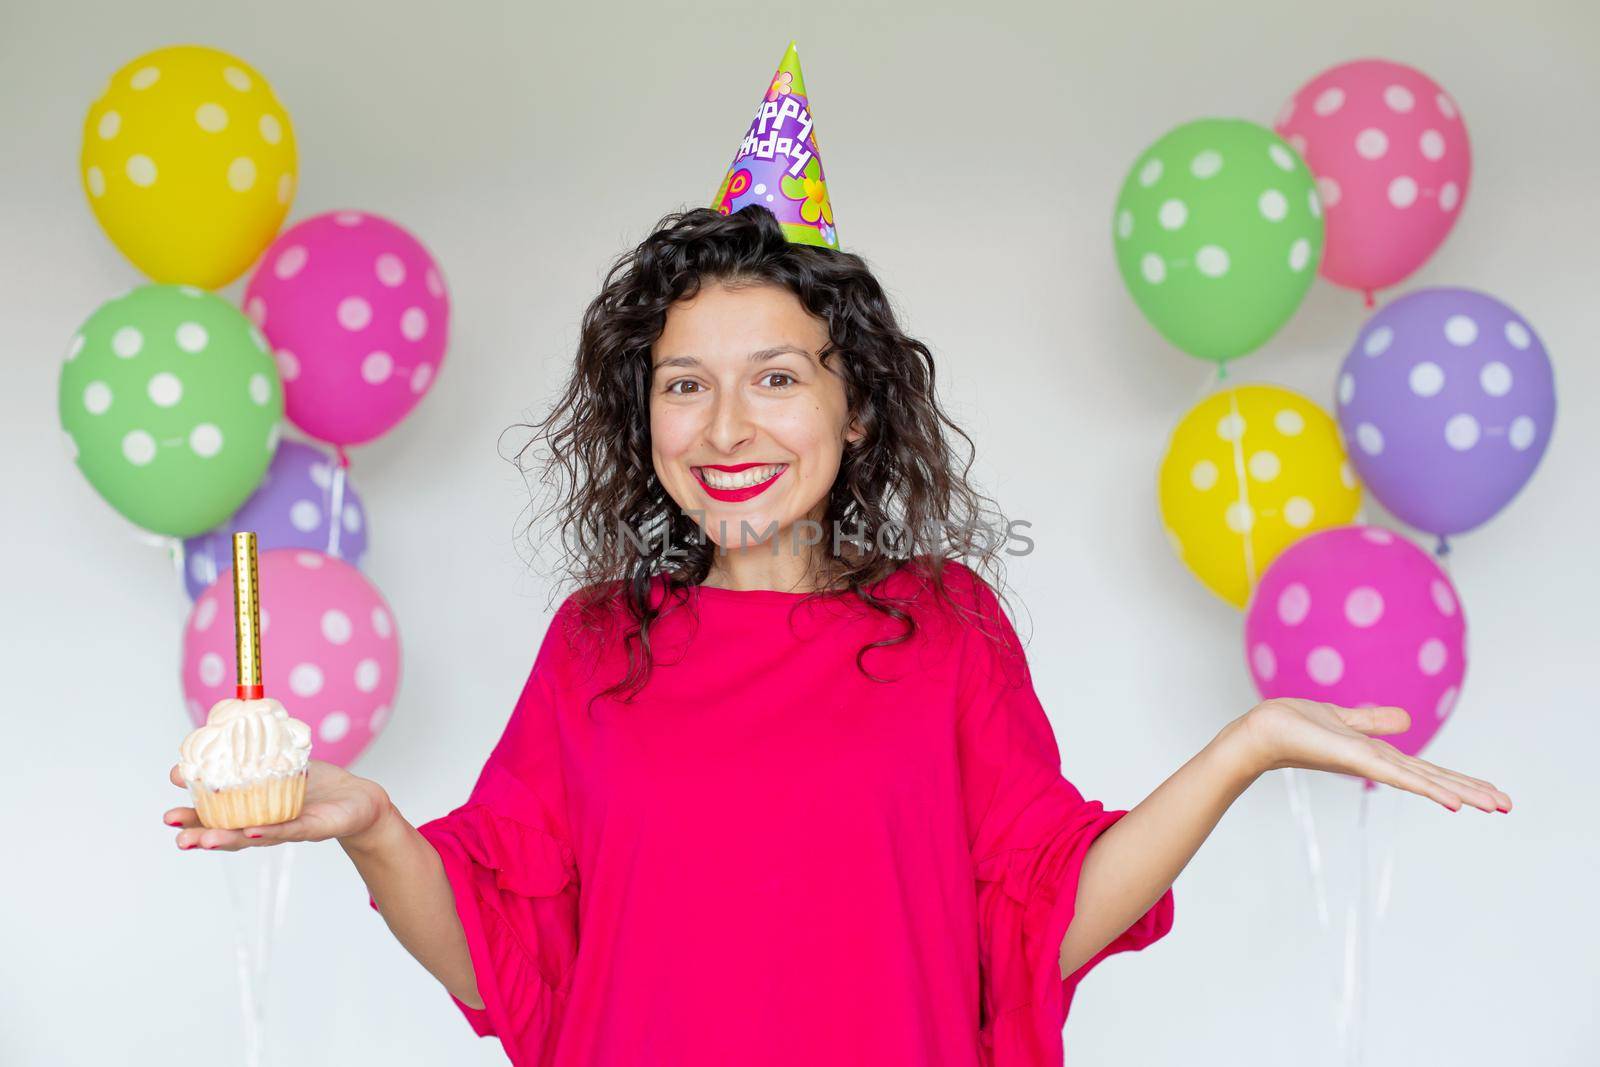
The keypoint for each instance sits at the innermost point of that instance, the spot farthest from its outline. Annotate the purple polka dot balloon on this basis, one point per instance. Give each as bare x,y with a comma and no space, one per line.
1357,615
1446,403
289,509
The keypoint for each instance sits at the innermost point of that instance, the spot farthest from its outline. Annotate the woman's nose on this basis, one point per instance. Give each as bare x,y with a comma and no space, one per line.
731,423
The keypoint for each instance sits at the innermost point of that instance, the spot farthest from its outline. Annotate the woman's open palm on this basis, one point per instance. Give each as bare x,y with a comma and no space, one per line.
337,804
1327,737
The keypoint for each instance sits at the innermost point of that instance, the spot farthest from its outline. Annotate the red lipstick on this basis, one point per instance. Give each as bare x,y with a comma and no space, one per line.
733,496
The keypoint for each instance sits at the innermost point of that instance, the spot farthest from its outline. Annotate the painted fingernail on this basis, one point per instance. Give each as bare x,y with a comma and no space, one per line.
252,835
174,823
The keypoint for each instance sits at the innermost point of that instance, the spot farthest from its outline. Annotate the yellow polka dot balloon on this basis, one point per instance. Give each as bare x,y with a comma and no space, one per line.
189,164
1249,471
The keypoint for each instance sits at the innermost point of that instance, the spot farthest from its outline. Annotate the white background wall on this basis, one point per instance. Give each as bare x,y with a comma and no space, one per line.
528,147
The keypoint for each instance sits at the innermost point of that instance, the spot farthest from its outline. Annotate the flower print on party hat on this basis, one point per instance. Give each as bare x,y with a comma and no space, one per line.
778,165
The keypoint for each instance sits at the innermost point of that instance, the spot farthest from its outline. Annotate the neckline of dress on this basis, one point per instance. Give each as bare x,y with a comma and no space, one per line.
768,596
716,592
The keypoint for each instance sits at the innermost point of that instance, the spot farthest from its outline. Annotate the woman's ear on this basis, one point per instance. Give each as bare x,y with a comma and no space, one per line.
854,434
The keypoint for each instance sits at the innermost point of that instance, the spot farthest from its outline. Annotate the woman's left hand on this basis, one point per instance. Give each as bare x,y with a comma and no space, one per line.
1326,737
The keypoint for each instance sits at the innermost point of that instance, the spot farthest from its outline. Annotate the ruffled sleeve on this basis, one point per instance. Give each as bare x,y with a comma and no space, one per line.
514,875
1030,831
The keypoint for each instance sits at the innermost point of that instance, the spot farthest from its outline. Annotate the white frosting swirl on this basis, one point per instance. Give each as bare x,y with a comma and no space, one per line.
244,741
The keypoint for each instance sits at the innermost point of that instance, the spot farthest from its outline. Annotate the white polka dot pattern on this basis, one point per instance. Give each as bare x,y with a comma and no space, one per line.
1445,387
155,386
1391,165
1218,207
1359,617
1247,472
168,138
355,308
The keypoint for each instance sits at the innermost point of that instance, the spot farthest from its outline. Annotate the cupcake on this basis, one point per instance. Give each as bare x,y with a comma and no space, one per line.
247,765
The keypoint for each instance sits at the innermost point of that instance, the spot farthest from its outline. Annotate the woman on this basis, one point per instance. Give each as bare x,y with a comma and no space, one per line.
778,789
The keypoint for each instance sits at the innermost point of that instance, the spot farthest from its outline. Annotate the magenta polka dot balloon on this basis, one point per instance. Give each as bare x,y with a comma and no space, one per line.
330,650
357,315
1355,616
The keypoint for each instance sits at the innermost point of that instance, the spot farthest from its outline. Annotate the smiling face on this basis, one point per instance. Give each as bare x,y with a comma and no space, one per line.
746,425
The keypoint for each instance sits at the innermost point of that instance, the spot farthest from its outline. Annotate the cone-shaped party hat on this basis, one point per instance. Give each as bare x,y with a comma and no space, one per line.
778,165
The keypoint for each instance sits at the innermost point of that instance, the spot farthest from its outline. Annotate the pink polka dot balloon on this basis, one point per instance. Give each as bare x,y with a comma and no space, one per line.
1392,162
329,648
1358,615
356,312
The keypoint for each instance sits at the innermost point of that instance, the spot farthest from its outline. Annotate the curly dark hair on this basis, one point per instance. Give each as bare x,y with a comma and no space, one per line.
616,523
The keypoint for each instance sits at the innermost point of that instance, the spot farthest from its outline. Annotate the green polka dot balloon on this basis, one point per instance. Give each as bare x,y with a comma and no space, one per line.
1218,233
171,405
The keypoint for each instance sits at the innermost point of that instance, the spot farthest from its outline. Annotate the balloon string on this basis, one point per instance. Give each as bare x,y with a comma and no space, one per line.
1386,868
1358,947
178,559
250,991
336,509
1369,299
272,889
1212,380
1300,811
1222,371
1244,489
258,920
1443,553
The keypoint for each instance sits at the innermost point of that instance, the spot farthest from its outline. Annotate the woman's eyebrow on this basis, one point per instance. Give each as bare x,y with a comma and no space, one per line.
760,355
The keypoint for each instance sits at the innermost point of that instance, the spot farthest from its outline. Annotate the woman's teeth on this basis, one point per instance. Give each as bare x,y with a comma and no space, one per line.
742,479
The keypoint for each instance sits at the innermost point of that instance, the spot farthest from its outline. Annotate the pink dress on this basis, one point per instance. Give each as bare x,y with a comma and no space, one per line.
769,858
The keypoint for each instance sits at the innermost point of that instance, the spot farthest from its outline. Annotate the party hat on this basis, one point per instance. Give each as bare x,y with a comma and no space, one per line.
778,165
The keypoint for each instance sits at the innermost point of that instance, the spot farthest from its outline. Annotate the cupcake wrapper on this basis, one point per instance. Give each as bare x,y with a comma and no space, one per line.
263,803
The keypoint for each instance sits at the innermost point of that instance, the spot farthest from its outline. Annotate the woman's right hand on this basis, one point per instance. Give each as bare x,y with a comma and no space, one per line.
337,805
